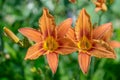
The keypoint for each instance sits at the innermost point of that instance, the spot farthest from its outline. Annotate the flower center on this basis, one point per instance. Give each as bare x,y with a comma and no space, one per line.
84,44
50,44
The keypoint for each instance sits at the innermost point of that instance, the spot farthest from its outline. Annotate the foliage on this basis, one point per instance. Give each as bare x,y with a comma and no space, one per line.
16,14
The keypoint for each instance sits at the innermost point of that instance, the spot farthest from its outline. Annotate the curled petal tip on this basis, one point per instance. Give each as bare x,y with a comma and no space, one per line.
45,10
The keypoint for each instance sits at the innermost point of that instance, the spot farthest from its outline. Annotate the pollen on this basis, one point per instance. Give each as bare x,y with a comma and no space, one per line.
84,44
50,44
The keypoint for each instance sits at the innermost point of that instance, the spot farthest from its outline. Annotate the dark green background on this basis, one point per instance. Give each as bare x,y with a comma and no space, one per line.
15,14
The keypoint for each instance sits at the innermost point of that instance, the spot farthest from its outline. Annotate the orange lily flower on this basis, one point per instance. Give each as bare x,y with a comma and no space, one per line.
50,40
90,42
104,32
72,1
100,5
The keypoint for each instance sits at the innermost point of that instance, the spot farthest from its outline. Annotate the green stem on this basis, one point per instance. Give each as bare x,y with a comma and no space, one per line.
92,66
55,10
1,42
100,17
93,58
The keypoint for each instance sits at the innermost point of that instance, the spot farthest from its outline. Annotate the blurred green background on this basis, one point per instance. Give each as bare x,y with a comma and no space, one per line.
15,14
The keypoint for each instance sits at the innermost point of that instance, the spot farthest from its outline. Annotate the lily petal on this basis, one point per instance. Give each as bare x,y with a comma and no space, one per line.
114,44
64,27
84,61
71,34
47,23
52,59
103,32
83,25
66,46
34,52
31,34
102,49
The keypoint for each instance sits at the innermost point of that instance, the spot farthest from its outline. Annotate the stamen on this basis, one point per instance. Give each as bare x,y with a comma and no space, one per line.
84,44
50,44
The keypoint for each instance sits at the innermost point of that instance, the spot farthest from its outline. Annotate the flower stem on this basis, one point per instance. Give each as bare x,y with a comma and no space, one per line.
92,65
1,42
100,17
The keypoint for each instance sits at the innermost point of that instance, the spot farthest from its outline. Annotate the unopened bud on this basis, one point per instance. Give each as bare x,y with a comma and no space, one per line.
104,7
11,35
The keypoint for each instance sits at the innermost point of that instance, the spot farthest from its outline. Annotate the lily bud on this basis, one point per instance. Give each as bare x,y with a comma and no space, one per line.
11,35
104,7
